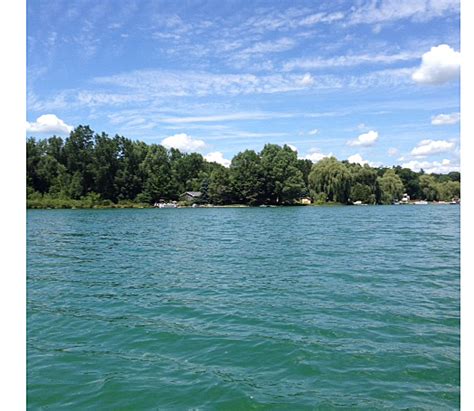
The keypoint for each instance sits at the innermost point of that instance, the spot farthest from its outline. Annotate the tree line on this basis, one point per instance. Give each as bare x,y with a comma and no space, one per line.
92,168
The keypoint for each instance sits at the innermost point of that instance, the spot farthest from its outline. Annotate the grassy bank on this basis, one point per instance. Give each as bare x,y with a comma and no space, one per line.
91,201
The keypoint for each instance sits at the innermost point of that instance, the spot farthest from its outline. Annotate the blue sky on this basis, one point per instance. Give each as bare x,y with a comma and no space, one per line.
367,81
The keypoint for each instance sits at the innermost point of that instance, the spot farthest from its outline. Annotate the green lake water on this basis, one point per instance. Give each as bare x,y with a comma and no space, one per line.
238,309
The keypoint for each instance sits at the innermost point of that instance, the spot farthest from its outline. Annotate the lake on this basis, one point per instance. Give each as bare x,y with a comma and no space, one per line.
244,308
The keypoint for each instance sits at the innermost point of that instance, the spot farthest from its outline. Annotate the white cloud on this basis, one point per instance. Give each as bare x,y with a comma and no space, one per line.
276,46
315,155
439,65
217,157
321,18
442,119
225,117
183,142
357,159
392,10
48,123
428,147
292,147
348,60
313,132
306,80
365,139
443,167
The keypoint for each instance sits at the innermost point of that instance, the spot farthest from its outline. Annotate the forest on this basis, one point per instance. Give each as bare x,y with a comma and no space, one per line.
88,169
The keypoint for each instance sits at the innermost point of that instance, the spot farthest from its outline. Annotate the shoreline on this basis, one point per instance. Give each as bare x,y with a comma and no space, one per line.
142,206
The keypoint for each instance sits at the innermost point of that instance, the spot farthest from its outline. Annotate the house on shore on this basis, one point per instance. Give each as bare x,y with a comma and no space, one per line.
190,196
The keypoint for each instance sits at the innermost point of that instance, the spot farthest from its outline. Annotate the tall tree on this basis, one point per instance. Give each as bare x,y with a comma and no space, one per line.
129,177
332,178
104,167
247,177
429,187
78,152
158,176
283,181
391,187
220,188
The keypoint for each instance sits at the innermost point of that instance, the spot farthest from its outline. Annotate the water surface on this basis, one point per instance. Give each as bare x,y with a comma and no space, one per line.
236,309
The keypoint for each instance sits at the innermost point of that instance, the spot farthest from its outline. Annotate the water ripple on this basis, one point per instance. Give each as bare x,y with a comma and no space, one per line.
287,308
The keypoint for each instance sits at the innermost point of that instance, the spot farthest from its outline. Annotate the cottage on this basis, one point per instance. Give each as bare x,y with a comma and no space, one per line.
191,196
305,200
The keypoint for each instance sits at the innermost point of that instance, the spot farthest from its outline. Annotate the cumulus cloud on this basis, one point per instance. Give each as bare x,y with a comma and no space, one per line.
439,65
365,139
357,159
48,123
217,157
441,167
315,155
443,119
427,147
183,142
292,147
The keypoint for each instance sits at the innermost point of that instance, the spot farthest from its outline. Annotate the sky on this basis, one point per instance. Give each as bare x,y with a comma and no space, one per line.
372,82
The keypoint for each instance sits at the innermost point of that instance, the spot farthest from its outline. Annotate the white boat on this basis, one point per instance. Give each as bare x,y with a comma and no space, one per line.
420,202
167,205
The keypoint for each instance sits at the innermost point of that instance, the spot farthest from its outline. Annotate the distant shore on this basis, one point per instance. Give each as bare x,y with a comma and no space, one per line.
77,205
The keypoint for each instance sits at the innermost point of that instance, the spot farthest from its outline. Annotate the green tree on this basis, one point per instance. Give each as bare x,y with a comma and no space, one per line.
449,190
78,153
410,181
156,168
391,187
283,181
429,187
220,188
364,185
305,167
247,177
104,166
129,177
331,177
186,168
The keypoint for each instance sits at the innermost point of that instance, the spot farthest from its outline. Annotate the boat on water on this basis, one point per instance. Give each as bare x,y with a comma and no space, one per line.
421,202
165,205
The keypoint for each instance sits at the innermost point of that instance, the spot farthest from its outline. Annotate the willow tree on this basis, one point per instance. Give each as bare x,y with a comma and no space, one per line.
391,187
332,178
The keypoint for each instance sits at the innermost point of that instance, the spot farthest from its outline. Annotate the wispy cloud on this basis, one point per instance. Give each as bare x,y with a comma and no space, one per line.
349,60
445,119
225,117
386,11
